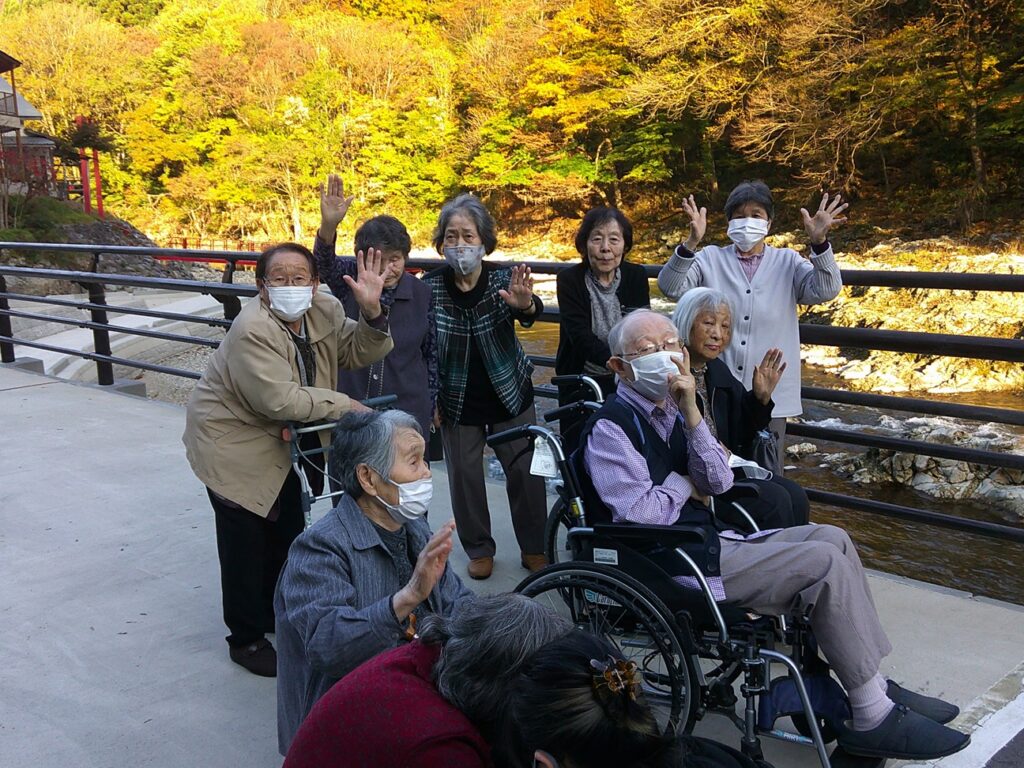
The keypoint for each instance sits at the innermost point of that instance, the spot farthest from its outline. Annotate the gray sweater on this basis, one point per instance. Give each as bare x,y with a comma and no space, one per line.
333,607
763,309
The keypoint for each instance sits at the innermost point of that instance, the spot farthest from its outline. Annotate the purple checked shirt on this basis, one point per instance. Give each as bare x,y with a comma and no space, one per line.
619,471
621,478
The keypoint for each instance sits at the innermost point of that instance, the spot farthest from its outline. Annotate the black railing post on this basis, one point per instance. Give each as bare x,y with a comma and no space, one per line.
232,304
6,347
100,336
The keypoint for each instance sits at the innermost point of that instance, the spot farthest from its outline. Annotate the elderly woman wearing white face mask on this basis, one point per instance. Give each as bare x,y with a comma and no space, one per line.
357,580
763,284
278,363
485,381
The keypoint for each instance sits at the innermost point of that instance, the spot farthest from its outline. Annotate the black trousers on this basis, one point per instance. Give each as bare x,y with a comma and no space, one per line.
775,503
252,552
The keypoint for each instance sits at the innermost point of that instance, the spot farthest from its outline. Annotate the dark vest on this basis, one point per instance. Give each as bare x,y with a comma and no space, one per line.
661,458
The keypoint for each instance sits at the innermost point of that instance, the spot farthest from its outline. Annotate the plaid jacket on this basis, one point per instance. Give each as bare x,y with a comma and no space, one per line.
492,323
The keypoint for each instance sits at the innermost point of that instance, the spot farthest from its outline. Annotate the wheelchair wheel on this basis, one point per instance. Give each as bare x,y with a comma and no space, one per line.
613,605
556,544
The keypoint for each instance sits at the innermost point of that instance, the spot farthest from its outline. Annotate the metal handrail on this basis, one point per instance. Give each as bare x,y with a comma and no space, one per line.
866,338
966,281
131,281
55,302
914,405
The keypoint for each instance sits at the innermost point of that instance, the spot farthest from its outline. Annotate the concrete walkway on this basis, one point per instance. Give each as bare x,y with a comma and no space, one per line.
111,642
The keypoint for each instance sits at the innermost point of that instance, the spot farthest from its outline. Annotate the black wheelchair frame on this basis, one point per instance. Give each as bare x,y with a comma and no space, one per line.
611,588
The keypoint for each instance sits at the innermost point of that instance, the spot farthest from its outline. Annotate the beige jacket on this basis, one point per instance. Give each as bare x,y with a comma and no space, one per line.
251,388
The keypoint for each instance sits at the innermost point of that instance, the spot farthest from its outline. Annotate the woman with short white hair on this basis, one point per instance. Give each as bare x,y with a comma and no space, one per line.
735,415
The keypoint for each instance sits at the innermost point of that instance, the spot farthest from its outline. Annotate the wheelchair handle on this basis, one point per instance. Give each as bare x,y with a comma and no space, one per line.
586,406
518,433
379,402
588,381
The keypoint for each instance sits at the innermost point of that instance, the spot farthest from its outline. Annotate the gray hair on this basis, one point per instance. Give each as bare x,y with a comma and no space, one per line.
366,438
483,646
691,304
617,337
755,191
471,206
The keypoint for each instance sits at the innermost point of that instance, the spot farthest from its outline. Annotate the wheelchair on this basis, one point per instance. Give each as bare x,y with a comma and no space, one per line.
560,518
305,457
690,649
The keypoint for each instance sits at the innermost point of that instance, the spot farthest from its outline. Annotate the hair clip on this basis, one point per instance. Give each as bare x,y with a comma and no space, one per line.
616,675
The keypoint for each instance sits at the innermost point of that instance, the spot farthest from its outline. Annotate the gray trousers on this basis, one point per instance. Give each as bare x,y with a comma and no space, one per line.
812,569
527,499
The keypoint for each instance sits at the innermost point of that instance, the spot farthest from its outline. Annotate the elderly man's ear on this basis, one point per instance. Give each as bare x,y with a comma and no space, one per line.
621,367
542,759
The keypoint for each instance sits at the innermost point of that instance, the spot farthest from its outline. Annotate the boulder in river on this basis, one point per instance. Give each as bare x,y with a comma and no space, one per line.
940,478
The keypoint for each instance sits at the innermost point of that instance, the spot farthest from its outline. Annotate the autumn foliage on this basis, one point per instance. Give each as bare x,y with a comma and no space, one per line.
226,114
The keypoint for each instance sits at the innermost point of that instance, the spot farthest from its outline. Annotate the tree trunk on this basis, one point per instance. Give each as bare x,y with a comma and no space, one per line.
885,172
977,156
708,158
296,221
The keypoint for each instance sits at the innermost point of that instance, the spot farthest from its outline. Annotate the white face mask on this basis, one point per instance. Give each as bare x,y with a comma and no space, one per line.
651,372
746,233
290,302
413,500
464,259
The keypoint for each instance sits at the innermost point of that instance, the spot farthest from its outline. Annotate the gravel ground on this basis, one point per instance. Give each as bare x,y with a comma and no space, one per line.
164,386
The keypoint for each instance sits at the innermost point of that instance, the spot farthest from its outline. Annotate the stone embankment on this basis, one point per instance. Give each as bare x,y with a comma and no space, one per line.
969,313
110,231
939,478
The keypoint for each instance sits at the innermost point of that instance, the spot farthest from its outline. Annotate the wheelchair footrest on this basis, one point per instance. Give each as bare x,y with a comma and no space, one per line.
840,758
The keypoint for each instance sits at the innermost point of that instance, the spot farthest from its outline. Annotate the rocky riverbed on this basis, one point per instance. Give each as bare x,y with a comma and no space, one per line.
945,479
973,313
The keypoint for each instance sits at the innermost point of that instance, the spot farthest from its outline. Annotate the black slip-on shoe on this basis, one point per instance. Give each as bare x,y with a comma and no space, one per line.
260,658
934,709
904,735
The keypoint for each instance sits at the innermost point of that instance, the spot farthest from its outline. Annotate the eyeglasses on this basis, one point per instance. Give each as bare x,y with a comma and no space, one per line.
670,345
299,281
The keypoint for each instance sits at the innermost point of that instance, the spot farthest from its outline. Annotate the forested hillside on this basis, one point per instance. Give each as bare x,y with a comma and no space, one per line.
224,115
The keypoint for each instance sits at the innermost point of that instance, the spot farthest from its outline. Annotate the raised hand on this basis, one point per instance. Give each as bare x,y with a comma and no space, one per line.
368,283
520,289
682,387
698,222
767,374
431,562
333,206
827,215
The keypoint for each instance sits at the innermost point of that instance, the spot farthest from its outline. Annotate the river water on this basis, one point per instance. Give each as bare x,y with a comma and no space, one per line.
963,561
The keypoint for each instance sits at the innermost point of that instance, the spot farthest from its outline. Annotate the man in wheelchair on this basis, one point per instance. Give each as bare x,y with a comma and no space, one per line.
647,457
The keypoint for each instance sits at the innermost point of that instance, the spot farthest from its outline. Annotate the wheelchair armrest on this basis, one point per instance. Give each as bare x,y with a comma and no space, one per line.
669,535
699,541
